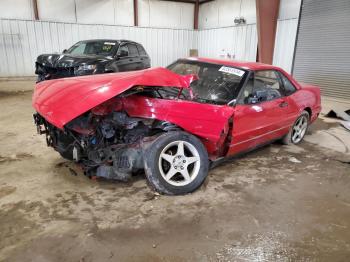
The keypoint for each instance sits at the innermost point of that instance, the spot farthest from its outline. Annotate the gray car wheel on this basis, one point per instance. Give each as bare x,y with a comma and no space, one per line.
176,163
298,130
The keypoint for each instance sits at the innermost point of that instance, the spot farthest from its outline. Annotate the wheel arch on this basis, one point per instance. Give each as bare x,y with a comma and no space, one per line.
308,109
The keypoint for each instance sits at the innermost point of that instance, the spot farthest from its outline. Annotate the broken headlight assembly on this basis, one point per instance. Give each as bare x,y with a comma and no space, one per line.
85,69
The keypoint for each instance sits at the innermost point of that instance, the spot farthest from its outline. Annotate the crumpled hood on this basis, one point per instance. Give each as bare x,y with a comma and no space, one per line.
68,60
61,100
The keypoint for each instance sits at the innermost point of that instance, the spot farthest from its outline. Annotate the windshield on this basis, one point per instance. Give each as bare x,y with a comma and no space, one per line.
217,84
105,48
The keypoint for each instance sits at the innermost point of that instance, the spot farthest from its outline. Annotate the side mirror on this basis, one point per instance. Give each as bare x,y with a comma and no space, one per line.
64,51
123,53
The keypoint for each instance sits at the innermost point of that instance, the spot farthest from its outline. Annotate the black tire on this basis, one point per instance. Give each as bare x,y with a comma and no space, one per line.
287,139
152,163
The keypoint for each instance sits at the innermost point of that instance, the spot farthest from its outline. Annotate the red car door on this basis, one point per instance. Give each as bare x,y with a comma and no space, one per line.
292,97
260,113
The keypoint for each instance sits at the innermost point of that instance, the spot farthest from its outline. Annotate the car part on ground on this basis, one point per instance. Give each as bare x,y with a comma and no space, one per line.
340,114
346,124
171,124
92,57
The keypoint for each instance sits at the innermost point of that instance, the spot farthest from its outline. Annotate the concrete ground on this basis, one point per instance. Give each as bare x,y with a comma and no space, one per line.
278,203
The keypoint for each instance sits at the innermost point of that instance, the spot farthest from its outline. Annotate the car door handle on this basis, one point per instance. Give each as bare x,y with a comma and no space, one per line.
283,104
131,59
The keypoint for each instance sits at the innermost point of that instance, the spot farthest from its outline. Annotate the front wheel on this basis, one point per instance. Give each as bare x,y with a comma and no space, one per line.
298,130
176,163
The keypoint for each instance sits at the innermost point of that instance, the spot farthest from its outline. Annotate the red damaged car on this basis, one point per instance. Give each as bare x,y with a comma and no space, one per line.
172,123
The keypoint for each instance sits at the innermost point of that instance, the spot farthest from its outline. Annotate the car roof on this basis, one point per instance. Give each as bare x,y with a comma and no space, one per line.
234,63
110,40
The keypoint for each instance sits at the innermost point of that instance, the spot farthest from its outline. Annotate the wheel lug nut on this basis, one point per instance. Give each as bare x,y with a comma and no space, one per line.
182,167
184,161
175,167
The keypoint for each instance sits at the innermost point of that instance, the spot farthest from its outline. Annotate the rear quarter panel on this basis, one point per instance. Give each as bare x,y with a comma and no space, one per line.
307,96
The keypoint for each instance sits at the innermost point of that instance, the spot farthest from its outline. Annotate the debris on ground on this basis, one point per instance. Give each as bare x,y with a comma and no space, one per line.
15,157
344,115
293,159
73,172
346,124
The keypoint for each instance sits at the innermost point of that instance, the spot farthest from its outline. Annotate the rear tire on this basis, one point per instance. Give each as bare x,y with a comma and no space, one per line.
176,163
298,130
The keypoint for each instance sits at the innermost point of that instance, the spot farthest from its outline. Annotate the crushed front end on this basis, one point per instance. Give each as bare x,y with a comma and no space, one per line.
108,145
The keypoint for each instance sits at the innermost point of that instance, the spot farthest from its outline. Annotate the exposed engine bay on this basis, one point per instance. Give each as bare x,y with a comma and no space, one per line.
107,143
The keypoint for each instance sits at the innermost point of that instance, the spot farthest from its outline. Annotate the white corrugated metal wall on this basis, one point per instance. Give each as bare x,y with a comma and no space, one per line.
238,41
284,43
21,41
286,33
220,36
221,13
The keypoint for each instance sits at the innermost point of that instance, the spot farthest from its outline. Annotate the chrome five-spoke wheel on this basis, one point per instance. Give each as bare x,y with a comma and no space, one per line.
179,163
176,163
299,129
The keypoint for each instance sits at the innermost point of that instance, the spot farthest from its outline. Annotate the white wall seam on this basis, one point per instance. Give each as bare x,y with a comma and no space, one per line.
285,43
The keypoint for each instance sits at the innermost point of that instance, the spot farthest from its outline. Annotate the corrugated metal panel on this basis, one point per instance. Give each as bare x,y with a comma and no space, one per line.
323,47
222,13
21,41
289,9
284,43
239,41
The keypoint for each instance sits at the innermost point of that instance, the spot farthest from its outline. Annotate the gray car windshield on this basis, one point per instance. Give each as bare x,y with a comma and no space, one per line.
217,84
104,48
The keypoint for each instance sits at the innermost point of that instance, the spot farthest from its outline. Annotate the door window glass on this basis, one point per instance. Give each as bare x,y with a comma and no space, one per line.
133,50
268,84
123,49
289,88
247,91
261,86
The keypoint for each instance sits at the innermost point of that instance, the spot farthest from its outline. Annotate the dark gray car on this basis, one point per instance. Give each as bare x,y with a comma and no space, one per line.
93,57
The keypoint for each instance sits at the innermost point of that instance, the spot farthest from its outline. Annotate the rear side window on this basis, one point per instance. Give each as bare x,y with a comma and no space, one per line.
133,50
289,88
142,51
